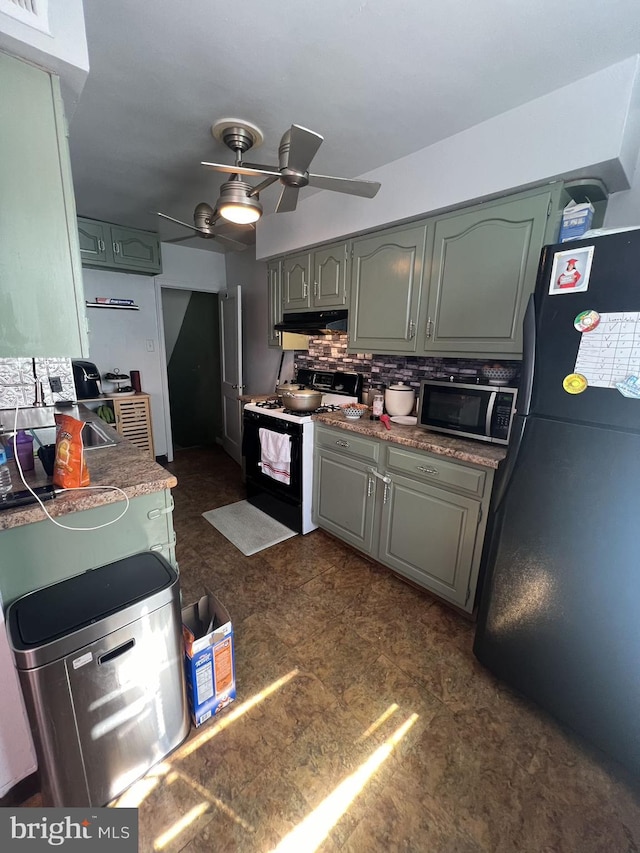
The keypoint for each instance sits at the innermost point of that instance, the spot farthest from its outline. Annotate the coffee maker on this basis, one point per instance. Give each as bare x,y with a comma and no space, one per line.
86,379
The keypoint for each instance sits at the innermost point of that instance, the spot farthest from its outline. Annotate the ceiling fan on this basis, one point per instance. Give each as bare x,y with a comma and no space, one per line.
207,224
298,147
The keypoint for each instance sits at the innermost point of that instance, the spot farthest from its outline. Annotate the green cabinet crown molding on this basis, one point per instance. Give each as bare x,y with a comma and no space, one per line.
42,311
419,514
107,246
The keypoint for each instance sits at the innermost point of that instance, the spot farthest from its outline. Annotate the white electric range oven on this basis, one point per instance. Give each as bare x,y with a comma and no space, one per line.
290,502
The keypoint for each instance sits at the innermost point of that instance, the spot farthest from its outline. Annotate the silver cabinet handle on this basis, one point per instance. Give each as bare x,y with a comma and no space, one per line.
369,486
305,286
101,246
315,288
342,443
429,329
387,490
116,248
412,330
426,470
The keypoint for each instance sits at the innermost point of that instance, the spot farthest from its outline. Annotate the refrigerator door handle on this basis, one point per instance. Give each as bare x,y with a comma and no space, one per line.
528,358
506,469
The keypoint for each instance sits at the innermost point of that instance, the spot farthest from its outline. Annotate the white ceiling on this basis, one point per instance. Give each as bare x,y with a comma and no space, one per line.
378,79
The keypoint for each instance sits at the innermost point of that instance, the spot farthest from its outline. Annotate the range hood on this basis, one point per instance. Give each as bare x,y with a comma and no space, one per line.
314,322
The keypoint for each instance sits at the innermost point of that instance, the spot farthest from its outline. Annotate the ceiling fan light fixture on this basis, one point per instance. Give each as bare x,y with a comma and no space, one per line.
236,205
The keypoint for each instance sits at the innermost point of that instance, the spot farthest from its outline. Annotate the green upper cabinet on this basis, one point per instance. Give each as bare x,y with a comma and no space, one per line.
296,274
42,310
116,248
93,237
317,279
483,268
386,280
330,276
274,284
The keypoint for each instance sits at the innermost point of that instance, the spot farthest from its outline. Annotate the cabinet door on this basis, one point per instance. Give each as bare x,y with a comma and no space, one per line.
428,534
274,286
484,268
330,276
386,275
344,498
133,421
134,249
95,244
42,310
295,282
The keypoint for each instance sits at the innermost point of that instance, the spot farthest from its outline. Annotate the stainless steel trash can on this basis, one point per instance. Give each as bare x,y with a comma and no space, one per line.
100,662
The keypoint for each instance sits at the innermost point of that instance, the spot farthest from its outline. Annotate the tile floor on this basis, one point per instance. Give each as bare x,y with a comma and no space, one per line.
363,722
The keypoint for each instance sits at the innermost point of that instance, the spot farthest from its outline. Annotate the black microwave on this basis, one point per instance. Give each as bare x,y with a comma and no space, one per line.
484,412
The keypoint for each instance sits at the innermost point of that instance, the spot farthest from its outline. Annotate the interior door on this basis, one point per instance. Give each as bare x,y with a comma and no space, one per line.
231,370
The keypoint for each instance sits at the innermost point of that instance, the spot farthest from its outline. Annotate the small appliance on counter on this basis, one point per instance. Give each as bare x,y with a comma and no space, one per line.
86,379
484,412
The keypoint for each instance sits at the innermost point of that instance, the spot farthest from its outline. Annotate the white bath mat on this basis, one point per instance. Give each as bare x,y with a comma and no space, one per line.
248,528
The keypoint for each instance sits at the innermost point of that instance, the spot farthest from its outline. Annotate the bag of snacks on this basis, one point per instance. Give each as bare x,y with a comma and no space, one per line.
69,470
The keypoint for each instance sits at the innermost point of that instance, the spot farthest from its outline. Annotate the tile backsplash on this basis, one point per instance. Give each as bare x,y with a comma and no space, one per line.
329,352
17,383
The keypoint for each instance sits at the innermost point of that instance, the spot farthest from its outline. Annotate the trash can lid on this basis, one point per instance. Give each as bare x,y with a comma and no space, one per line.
62,608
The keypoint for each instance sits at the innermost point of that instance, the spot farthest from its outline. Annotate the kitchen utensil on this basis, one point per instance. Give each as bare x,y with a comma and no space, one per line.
399,399
301,400
498,375
288,385
405,420
353,411
384,419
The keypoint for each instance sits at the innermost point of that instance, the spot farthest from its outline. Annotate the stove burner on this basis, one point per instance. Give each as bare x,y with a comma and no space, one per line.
319,411
269,404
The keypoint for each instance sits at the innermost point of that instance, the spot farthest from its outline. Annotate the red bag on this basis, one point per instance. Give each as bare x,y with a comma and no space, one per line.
69,470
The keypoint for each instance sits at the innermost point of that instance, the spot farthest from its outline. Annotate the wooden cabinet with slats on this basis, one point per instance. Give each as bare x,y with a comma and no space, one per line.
133,421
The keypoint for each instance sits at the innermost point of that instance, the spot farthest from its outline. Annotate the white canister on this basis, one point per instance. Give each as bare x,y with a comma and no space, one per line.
399,399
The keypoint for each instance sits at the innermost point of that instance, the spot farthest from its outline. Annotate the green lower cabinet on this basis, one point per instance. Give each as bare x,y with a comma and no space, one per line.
39,554
429,535
344,490
420,514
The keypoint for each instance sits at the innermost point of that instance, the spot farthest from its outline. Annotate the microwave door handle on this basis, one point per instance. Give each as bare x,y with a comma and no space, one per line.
489,418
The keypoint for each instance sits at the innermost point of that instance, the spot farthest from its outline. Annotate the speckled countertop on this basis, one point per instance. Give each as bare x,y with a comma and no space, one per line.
464,449
122,465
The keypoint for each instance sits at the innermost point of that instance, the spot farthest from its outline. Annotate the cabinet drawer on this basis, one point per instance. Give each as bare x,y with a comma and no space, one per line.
435,469
343,441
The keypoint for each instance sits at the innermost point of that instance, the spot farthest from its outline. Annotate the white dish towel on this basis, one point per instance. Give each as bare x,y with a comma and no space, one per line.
275,455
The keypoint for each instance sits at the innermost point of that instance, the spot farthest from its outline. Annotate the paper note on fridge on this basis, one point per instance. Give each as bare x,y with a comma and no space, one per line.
610,352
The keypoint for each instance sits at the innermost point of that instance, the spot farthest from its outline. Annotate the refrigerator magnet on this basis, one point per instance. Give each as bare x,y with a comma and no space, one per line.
586,321
629,387
574,383
571,270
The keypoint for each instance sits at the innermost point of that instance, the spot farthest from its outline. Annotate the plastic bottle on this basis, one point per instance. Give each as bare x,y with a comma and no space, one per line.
24,444
5,475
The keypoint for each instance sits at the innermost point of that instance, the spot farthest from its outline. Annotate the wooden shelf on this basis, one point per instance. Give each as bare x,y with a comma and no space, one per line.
105,305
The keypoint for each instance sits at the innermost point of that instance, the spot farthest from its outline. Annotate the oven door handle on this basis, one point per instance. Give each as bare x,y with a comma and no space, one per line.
489,418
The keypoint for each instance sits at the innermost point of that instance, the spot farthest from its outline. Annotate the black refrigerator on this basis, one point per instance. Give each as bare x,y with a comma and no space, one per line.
559,614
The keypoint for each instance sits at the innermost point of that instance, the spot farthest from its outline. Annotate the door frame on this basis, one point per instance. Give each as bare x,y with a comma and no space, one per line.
159,283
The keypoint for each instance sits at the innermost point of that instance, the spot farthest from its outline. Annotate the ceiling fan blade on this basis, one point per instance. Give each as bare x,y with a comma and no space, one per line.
182,239
303,147
260,167
232,244
366,189
288,200
179,221
240,170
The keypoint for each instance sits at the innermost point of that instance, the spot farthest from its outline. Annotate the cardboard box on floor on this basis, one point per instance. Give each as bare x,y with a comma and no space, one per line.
208,657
